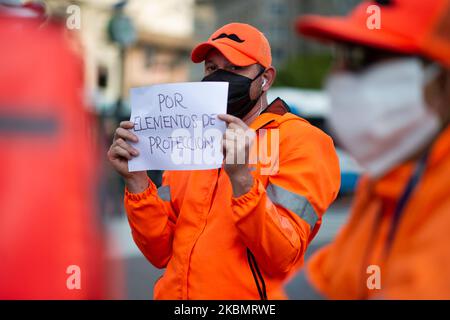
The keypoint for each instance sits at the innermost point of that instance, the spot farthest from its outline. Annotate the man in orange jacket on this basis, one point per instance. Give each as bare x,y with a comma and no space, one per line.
390,94
235,232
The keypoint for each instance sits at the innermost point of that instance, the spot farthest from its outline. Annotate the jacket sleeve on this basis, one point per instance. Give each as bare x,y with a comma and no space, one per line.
278,220
152,218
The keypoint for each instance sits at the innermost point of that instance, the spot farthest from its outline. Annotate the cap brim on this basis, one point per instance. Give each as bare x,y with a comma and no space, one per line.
233,55
345,30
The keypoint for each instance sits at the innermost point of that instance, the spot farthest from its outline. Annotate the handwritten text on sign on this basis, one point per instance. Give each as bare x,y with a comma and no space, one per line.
177,125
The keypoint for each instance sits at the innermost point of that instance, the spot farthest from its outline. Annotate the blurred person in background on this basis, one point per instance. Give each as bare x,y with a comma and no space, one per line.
390,96
233,233
51,244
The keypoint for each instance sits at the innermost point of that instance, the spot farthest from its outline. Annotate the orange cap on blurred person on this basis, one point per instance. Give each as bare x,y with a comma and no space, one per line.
406,26
242,44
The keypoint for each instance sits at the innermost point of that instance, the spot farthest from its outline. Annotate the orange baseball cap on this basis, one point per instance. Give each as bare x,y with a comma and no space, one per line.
415,27
242,44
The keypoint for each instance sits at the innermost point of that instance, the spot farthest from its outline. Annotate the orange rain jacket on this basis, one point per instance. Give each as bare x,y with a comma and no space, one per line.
418,263
208,241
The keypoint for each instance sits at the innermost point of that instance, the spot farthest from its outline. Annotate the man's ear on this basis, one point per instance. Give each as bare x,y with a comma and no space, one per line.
447,83
269,77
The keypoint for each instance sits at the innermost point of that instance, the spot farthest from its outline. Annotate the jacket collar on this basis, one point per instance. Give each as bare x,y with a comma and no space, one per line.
273,111
277,106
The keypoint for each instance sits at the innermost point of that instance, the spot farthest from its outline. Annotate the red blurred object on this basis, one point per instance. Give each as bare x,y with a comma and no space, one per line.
406,26
48,218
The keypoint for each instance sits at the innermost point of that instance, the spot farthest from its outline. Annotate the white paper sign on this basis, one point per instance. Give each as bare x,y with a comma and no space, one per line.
177,125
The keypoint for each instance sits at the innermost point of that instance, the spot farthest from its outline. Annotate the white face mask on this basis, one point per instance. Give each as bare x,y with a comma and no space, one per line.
380,115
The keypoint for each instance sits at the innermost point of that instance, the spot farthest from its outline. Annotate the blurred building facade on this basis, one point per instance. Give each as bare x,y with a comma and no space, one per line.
168,30
165,38
276,18
160,53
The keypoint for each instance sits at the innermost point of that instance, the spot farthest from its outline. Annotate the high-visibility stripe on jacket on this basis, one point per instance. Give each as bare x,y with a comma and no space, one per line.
418,262
205,238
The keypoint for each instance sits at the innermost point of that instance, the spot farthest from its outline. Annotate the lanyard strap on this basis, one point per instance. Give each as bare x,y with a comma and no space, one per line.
407,193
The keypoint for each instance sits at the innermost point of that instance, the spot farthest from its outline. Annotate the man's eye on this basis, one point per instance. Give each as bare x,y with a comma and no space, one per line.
211,68
235,68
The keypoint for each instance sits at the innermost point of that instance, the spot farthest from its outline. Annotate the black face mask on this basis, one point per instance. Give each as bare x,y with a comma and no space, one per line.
239,101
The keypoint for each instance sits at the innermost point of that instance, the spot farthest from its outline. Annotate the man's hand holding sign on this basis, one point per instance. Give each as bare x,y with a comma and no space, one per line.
237,142
164,124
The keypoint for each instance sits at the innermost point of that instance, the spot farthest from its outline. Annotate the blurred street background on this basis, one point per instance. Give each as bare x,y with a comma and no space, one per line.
134,43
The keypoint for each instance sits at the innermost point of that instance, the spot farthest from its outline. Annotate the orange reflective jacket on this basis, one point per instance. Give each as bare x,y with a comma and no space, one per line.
215,246
417,266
